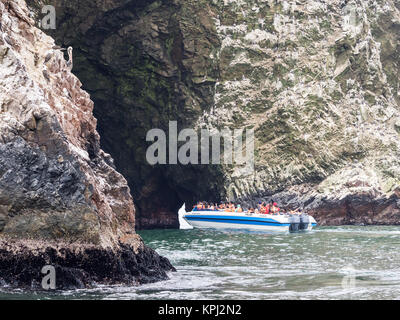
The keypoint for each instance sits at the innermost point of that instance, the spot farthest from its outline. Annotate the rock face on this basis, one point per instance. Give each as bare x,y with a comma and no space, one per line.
56,184
317,80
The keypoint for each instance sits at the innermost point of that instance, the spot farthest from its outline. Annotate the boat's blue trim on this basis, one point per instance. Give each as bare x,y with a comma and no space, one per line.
313,224
239,220
233,217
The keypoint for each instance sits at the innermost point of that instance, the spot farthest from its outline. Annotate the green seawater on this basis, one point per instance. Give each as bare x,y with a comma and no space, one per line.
351,262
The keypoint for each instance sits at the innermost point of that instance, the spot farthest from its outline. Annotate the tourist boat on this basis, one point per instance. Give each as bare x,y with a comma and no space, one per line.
218,219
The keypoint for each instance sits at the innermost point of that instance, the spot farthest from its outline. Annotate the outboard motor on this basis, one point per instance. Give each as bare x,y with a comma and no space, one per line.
304,221
294,221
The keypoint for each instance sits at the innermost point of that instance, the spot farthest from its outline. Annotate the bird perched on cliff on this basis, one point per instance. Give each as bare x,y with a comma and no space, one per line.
48,57
67,94
70,64
51,53
45,73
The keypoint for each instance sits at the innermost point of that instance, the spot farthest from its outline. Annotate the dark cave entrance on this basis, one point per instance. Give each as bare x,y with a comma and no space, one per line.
132,59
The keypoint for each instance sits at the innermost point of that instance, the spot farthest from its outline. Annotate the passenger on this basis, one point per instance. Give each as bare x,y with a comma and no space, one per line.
251,210
199,206
239,208
212,207
264,208
267,209
270,205
256,211
275,209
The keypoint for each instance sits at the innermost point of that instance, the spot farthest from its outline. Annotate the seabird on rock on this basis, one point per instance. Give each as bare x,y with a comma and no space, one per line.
66,92
45,73
48,57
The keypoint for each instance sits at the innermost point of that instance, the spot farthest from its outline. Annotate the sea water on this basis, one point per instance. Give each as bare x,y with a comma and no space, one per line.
347,262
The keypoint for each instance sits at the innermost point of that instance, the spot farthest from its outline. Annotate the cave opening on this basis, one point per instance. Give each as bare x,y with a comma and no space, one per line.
136,61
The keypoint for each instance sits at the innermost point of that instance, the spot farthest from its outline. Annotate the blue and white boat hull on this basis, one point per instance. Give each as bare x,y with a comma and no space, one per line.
245,221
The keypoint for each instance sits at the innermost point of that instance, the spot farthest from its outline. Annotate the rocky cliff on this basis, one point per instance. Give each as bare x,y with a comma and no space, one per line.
318,82
316,79
61,200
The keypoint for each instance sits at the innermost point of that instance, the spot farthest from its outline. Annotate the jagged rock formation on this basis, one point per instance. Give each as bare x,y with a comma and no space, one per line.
56,184
78,265
317,80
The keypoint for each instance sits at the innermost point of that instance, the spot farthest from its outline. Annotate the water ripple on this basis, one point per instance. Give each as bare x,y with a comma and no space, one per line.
328,263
